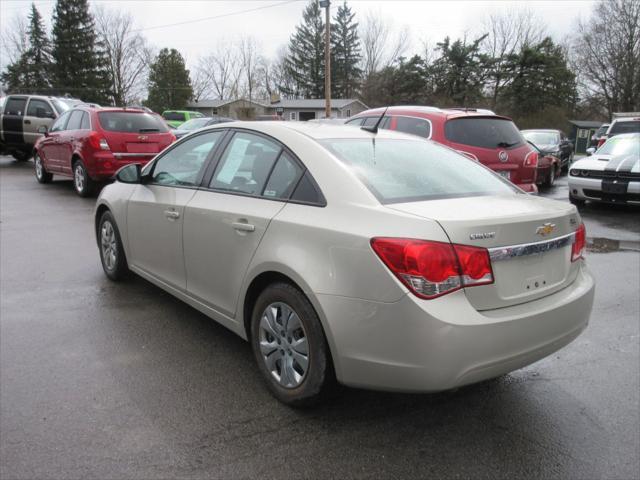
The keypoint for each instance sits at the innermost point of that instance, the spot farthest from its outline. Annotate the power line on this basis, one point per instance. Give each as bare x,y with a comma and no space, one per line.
240,12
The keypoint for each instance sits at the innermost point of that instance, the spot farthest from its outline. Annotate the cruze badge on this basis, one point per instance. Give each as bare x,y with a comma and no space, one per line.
546,229
482,236
503,156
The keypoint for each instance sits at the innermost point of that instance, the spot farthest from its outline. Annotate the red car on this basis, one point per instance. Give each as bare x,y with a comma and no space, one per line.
90,144
481,135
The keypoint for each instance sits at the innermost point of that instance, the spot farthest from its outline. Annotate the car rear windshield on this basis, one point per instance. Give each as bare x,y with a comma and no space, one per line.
131,122
625,127
483,132
400,170
621,146
542,138
173,116
194,124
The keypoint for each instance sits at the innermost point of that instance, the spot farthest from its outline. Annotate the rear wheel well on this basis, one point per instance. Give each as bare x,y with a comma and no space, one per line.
258,284
99,212
75,158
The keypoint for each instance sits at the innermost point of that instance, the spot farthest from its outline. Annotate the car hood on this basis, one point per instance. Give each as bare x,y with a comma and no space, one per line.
630,163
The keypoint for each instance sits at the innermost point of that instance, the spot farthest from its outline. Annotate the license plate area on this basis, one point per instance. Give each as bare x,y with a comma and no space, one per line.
614,187
142,147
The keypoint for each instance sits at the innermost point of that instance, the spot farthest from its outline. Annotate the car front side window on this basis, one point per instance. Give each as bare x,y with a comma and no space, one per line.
181,166
61,123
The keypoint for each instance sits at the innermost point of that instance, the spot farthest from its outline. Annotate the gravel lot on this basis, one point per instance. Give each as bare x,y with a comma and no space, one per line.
105,380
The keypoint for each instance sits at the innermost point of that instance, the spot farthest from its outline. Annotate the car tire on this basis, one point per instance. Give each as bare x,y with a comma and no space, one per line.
20,155
82,183
290,346
551,178
576,201
42,176
112,256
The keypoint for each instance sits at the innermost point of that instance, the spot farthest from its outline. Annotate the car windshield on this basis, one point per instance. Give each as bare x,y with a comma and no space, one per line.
484,132
400,170
625,127
194,124
60,106
602,130
621,146
132,122
542,138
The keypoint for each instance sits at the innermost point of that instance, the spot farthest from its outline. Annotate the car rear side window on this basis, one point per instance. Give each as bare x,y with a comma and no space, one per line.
131,122
396,170
75,121
283,179
15,106
173,116
483,132
35,104
245,164
414,126
307,192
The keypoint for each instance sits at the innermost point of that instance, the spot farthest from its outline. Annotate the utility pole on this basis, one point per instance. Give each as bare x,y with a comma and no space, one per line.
326,4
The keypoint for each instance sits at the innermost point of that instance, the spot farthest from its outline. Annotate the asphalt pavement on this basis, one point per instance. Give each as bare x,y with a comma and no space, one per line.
123,381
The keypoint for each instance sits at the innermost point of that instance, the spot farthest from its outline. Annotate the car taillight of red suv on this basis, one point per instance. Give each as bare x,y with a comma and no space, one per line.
480,135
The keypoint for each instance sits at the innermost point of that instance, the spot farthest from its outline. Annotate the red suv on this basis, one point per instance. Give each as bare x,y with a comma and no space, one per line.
481,135
90,144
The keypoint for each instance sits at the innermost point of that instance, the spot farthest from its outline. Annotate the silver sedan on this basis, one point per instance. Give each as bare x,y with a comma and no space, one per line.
374,259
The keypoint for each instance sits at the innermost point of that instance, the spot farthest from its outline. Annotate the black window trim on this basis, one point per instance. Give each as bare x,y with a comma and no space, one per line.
211,168
207,162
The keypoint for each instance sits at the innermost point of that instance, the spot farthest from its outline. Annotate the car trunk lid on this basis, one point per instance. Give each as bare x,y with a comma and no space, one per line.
541,228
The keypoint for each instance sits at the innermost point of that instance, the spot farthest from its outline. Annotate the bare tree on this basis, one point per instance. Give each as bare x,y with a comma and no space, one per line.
607,53
250,59
127,51
380,47
223,68
201,78
507,33
14,41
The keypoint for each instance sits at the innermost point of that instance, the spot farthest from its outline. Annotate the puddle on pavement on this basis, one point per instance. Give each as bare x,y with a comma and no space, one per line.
606,245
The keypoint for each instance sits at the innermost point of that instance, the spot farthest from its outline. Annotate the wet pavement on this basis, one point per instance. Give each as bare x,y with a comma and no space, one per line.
106,380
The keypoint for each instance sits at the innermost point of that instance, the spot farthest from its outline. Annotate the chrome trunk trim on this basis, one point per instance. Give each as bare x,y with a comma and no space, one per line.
524,249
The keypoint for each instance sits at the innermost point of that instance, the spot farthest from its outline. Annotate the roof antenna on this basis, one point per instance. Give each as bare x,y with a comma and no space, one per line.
374,128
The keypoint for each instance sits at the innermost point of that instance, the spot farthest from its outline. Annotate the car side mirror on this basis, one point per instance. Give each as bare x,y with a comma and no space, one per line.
130,174
590,151
43,130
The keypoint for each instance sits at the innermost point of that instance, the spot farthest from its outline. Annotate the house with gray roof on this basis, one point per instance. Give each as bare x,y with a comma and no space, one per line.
239,108
309,109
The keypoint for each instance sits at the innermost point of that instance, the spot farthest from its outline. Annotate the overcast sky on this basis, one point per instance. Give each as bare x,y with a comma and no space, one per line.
273,21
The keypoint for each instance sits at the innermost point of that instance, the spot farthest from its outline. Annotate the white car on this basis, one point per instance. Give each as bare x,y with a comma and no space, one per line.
611,174
380,260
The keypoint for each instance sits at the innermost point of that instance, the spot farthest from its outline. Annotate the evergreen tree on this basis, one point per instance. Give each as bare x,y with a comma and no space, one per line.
79,61
345,46
169,83
38,55
305,60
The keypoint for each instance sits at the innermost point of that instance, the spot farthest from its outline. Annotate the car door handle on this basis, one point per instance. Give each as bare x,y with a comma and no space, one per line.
28,122
243,226
172,214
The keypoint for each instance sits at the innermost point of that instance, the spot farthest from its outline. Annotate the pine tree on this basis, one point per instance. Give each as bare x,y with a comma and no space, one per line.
345,46
169,83
79,66
38,55
305,60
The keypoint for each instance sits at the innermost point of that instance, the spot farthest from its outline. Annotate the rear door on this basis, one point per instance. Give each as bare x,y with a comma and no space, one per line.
156,210
12,118
225,222
39,114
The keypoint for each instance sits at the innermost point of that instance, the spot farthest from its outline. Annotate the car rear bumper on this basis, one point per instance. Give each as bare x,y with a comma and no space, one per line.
433,345
582,188
106,164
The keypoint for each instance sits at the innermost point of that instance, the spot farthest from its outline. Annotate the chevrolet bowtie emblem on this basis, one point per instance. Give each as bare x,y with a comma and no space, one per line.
546,229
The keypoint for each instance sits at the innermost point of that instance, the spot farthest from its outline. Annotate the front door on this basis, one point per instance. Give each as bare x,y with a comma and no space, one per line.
225,224
156,212
39,114
50,148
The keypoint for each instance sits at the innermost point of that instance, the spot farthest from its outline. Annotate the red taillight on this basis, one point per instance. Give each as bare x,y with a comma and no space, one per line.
580,243
531,160
601,141
431,269
98,142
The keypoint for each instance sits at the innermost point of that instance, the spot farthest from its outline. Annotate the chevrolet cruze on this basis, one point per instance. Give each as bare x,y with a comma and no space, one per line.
375,259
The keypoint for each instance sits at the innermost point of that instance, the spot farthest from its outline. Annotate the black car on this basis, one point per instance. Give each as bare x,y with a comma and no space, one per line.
552,142
196,123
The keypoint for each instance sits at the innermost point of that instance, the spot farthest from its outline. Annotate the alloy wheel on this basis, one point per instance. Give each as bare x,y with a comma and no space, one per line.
283,345
78,177
108,245
38,164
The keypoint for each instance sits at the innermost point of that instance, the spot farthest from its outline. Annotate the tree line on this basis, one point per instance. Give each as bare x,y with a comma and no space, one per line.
510,64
